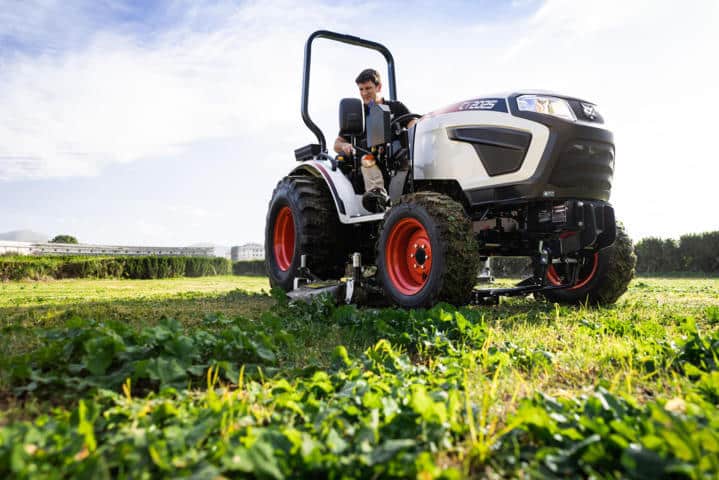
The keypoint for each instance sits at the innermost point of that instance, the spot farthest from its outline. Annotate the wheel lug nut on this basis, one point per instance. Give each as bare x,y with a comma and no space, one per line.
415,265
411,255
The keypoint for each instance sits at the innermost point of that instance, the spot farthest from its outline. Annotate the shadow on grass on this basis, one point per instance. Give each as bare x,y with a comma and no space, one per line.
522,311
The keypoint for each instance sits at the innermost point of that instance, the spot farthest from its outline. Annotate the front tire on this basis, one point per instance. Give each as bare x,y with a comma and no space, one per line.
603,277
427,252
302,219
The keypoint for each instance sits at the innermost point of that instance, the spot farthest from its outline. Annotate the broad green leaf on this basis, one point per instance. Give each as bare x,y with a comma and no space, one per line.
335,442
99,353
389,448
264,461
165,370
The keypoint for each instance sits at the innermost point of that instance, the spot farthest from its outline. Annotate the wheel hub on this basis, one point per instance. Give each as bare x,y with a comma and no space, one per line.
421,255
408,256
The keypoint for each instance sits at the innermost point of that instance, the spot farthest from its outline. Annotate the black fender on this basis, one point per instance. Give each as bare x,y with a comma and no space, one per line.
316,170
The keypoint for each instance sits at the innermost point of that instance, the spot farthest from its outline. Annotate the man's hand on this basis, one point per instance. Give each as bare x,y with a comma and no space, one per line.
343,146
347,149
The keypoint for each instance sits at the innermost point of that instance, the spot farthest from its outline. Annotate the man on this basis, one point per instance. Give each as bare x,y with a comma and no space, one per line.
369,83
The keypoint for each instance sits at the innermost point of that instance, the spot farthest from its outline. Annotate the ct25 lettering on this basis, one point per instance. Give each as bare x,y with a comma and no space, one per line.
478,105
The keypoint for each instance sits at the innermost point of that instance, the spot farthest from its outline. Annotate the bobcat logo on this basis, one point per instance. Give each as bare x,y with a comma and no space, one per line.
590,111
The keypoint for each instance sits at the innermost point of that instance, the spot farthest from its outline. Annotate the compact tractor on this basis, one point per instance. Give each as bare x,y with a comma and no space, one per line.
516,174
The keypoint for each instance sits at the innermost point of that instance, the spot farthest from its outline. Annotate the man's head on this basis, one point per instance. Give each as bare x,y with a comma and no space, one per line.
369,85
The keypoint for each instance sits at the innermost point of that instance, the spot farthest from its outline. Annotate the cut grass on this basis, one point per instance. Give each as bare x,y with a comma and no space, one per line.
629,349
137,302
76,291
651,308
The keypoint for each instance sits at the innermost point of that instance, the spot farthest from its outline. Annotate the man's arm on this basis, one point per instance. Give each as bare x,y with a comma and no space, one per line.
343,146
402,110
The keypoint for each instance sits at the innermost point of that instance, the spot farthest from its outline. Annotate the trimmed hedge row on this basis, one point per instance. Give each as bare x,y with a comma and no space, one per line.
131,267
692,253
250,268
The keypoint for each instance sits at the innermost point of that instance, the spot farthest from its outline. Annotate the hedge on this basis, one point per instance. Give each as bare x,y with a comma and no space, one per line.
131,267
250,267
692,253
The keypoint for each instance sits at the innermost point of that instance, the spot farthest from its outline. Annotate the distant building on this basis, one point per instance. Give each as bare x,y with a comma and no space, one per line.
26,248
8,247
248,251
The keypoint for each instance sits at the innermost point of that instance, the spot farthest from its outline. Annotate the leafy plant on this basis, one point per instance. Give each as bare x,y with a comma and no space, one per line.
317,390
87,355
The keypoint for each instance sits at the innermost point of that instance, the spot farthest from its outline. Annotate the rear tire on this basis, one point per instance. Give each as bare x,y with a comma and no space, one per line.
430,230
302,219
604,278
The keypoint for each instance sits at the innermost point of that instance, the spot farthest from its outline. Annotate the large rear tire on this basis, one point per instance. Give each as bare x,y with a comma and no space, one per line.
603,277
427,252
302,219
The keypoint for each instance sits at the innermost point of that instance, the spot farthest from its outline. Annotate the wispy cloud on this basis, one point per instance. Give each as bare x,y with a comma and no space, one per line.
118,99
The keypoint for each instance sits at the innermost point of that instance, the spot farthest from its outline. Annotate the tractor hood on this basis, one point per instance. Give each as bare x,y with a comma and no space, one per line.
534,101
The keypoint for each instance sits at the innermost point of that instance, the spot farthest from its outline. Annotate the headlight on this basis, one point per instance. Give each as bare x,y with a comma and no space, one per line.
547,105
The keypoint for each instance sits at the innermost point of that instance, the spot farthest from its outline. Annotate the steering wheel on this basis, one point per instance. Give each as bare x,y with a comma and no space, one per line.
402,118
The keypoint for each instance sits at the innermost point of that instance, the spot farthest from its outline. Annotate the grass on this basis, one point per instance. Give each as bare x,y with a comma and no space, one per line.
73,291
652,308
136,302
635,350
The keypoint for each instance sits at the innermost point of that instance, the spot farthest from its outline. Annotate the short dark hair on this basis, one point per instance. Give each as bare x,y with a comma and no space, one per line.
368,75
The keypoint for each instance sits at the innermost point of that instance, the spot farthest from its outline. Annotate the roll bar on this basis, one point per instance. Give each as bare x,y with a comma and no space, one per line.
339,37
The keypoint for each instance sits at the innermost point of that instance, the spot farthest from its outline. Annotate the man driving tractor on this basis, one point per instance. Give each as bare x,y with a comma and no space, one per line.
375,198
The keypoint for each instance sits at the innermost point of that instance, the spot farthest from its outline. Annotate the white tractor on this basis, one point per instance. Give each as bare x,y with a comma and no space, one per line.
513,174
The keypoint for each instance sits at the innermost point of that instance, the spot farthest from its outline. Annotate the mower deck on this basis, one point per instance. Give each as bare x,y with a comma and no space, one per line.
365,291
490,296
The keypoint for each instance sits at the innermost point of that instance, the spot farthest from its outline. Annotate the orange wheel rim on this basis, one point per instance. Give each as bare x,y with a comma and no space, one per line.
408,256
283,238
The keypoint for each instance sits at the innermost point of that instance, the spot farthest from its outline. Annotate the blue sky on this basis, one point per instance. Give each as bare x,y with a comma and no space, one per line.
169,123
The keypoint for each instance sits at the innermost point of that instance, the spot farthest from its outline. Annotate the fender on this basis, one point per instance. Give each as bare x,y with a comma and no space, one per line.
347,202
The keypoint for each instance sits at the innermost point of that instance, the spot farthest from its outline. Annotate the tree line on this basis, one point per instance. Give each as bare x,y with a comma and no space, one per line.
692,253
696,252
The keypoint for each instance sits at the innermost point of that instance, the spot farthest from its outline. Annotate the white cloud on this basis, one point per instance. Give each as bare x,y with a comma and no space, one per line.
651,66
118,100
233,71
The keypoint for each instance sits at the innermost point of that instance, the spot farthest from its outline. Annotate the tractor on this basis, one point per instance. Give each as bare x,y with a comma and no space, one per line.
525,173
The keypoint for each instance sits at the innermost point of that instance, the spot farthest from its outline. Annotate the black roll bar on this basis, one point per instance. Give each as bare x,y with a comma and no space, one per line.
339,37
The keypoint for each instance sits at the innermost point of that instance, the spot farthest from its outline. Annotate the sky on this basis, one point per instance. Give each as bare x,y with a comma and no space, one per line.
170,122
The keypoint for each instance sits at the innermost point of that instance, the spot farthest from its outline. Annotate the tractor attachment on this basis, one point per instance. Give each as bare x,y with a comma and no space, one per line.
364,290
353,289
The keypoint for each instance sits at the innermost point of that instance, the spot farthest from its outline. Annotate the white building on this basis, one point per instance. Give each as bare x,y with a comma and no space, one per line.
248,251
15,248
25,248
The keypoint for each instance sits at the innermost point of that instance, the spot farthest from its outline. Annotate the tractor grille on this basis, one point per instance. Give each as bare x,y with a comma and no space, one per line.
585,165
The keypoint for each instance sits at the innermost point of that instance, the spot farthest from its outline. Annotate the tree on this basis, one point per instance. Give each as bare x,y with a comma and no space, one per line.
64,239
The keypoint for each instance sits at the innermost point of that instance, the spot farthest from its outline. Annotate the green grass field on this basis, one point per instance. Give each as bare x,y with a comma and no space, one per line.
213,376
